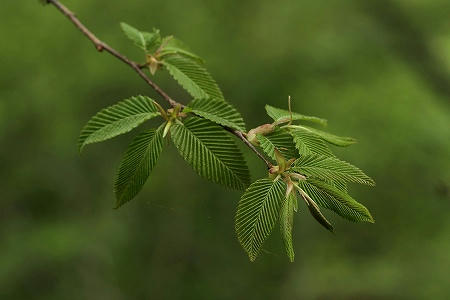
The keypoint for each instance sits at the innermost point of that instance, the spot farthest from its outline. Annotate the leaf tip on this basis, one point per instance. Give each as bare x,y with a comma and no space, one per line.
81,147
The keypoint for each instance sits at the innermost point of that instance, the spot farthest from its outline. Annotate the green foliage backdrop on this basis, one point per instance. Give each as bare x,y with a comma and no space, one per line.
377,70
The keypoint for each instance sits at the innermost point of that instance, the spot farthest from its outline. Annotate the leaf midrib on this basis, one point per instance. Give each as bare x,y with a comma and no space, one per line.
144,158
214,155
147,115
259,216
205,94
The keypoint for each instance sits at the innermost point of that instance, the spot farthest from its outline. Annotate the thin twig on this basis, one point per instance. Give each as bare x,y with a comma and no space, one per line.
102,46
241,136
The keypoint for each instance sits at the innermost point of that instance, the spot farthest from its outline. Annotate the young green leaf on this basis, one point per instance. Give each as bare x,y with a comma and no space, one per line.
211,152
176,47
330,168
117,119
287,222
341,141
137,163
309,143
257,213
145,40
193,77
218,111
279,139
278,114
332,198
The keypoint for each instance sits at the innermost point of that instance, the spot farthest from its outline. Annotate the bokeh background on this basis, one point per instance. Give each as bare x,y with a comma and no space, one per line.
378,70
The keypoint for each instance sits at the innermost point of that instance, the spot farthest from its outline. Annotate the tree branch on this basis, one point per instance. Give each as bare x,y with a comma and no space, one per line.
102,46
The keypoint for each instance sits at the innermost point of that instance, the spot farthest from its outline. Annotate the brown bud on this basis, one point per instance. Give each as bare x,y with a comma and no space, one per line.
262,129
274,170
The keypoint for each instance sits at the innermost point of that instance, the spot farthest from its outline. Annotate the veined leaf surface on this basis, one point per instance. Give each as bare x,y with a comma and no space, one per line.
342,141
279,139
211,152
309,143
257,213
287,223
137,164
330,168
193,77
176,47
330,197
117,119
145,40
219,112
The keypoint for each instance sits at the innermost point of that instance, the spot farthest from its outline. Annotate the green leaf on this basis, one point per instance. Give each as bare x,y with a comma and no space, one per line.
147,41
317,214
257,213
219,112
278,114
309,143
332,198
315,210
137,163
117,119
330,168
175,46
339,184
341,141
193,77
287,222
279,139
211,152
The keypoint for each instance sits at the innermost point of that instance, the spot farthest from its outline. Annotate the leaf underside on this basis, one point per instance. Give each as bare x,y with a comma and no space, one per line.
117,119
211,152
137,164
287,223
219,112
257,213
193,77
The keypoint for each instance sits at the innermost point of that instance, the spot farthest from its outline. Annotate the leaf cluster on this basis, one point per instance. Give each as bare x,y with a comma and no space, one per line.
304,166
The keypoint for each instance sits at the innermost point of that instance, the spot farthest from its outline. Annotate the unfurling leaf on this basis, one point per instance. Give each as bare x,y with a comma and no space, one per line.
193,77
219,112
147,41
287,222
279,115
117,119
330,168
257,213
137,163
211,152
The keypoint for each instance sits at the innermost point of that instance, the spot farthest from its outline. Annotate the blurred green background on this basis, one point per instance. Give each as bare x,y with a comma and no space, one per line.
377,70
